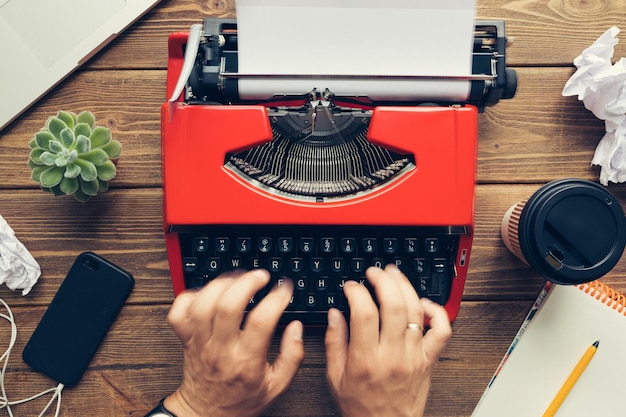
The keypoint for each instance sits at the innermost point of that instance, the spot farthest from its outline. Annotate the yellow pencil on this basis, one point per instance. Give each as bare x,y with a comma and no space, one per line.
571,380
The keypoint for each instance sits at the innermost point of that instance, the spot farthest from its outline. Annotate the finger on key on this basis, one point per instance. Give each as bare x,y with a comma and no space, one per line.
440,329
364,320
231,306
261,322
393,308
204,301
414,310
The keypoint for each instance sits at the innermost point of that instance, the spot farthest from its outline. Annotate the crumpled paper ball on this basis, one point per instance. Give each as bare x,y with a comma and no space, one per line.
601,86
18,269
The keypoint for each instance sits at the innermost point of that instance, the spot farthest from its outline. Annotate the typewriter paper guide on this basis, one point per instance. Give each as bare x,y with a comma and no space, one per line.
357,37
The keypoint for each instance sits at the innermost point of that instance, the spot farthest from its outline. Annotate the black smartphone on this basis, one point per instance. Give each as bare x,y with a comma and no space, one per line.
78,318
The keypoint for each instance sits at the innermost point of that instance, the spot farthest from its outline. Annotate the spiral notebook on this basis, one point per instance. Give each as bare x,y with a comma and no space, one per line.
561,325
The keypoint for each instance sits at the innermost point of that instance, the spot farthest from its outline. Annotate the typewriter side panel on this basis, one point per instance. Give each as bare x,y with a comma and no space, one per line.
444,143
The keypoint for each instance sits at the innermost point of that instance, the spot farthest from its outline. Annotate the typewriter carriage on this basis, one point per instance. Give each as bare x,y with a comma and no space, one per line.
215,77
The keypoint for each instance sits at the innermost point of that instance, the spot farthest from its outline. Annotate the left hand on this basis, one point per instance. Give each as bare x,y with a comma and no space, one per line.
225,367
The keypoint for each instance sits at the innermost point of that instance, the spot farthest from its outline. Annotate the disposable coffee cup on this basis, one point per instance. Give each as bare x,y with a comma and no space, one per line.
569,231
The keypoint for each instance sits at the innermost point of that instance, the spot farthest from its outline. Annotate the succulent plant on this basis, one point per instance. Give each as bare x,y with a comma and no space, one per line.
72,156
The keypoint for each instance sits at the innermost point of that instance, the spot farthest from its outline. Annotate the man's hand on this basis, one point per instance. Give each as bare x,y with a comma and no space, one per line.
225,369
384,371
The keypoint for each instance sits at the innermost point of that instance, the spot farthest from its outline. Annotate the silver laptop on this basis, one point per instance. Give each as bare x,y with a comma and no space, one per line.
42,41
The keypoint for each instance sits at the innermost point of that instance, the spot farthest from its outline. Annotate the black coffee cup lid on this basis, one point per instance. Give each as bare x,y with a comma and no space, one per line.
572,231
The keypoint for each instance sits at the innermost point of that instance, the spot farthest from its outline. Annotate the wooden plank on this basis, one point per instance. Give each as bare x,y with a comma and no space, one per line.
548,33
533,138
56,230
127,102
542,33
124,226
539,135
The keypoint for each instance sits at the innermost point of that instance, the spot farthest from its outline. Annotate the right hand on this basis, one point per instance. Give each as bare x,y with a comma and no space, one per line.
385,368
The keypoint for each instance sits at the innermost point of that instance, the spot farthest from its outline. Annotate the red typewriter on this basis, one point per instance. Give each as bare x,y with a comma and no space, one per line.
318,187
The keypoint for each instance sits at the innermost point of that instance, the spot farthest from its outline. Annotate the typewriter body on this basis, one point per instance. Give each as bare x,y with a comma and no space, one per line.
317,187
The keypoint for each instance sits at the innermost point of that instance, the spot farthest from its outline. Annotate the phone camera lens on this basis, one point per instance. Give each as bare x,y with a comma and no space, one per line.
91,264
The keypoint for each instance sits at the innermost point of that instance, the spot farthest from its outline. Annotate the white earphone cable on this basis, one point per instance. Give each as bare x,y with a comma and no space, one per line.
4,401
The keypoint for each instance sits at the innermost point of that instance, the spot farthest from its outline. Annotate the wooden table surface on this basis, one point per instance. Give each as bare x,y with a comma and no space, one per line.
525,142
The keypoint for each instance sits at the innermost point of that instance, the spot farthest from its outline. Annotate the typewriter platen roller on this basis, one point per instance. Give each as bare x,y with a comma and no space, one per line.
316,186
